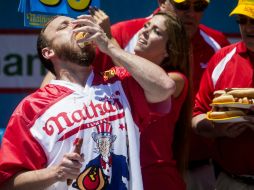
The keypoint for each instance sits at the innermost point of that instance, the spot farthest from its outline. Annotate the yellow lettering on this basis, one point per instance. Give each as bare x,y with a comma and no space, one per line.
79,5
50,2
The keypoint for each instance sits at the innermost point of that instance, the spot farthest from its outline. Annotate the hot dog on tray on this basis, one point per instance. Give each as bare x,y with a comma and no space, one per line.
224,100
239,95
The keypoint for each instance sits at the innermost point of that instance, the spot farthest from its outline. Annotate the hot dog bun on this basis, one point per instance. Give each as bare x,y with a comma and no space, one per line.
224,98
225,114
241,93
80,36
238,95
218,93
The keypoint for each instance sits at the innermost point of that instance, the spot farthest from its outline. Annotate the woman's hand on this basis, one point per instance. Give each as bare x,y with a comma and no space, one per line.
94,33
102,19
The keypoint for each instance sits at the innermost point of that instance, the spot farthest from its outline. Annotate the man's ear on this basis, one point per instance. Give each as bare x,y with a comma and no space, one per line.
48,53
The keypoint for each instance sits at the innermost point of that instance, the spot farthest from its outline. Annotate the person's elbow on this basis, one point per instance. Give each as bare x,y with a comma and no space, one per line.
167,89
161,92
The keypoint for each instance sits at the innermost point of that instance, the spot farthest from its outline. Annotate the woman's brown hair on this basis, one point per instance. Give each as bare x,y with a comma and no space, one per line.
178,59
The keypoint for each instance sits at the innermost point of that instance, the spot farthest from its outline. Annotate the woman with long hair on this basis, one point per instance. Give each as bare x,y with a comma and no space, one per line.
164,142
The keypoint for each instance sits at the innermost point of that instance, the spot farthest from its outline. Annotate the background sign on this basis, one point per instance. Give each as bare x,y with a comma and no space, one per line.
38,12
20,66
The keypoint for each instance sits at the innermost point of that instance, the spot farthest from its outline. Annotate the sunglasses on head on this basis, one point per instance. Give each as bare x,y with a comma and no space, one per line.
198,6
244,20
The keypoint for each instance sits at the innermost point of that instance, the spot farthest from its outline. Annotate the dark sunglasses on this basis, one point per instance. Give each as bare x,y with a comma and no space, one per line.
244,20
198,6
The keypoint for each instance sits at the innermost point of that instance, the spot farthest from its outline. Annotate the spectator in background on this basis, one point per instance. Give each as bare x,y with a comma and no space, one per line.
205,42
106,111
163,142
230,67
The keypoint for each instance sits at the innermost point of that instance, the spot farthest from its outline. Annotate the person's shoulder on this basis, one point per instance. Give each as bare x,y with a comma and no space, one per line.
40,100
229,48
50,92
217,35
181,82
209,30
225,52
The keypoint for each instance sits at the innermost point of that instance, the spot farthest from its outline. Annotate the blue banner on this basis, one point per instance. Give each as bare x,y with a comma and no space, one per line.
38,12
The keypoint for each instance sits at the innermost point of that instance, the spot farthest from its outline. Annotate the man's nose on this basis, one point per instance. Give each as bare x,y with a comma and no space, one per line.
190,11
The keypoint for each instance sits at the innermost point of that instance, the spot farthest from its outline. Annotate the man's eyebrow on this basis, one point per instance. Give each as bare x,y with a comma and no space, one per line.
66,21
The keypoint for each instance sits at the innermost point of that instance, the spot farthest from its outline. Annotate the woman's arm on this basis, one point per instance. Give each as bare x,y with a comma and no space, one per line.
157,85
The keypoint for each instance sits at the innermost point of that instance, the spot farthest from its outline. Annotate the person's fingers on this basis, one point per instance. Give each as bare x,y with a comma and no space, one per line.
89,30
249,118
91,10
97,19
102,13
234,131
252,108
96,8
86,17
73,156
82,157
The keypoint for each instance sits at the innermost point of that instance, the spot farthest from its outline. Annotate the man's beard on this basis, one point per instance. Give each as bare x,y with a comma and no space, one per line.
82,57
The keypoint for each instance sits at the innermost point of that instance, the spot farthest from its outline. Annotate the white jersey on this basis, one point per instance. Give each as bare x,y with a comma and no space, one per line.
101,115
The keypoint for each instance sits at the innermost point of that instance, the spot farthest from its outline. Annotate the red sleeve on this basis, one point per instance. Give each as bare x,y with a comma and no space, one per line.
177,102
124,31
19,150
172,104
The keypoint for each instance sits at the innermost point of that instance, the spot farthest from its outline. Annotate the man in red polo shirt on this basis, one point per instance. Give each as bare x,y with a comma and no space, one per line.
230,67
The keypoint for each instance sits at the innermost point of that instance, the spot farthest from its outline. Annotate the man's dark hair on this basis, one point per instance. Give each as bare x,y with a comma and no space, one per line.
43,42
